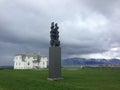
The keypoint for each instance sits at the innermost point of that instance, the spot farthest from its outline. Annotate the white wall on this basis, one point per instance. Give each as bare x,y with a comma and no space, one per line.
28,63
18,63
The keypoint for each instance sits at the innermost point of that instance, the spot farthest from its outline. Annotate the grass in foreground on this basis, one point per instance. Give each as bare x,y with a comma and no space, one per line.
80,79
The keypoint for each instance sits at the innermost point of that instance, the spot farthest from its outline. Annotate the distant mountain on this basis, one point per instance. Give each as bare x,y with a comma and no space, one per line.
6,67
82,61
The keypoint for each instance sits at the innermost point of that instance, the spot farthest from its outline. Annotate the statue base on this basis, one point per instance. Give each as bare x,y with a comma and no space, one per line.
54,79
54,63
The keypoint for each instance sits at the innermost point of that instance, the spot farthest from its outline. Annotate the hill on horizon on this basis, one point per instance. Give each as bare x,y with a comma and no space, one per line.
83,61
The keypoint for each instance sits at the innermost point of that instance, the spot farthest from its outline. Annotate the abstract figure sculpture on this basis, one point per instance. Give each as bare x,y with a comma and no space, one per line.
54,35
54,54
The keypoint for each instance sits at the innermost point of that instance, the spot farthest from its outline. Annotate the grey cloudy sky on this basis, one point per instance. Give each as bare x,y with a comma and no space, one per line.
88,28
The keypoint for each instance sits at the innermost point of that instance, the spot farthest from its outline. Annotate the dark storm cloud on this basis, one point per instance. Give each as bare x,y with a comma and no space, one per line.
86,26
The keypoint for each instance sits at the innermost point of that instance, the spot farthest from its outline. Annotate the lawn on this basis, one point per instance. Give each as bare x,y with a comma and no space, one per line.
78,79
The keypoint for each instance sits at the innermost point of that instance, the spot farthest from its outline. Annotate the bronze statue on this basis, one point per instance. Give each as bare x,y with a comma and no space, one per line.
54,35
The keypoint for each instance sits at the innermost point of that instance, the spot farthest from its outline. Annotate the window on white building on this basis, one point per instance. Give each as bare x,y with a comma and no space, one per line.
19,57
28,57
28,63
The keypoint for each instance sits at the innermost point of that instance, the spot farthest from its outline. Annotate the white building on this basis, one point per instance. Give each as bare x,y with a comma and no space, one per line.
30,61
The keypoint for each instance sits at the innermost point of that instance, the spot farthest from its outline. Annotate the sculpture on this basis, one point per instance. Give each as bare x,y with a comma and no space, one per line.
54,54
54,35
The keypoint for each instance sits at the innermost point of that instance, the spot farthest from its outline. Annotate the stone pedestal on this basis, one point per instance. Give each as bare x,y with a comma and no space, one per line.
54,63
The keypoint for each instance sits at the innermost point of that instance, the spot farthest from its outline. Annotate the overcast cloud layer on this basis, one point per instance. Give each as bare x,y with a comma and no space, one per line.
88,28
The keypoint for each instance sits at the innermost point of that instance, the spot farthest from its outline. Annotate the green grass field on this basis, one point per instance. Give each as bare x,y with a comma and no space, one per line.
80,79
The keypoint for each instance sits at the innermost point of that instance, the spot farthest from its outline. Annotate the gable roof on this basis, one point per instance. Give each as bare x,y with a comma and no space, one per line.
34,55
